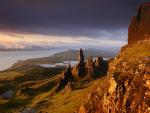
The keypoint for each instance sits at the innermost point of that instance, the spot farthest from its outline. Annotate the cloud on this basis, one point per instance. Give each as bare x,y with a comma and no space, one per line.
27,15
11,41
66,23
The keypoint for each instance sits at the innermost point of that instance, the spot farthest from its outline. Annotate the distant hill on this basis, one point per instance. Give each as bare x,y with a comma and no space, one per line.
64,56
72,54
28,48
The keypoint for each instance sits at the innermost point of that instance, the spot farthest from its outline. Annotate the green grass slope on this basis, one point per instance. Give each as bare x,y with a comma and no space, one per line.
26,83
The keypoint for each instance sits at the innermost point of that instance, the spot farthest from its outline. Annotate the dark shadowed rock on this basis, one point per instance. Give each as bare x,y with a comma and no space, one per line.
98,62
7,94
81,56
66,77
89,68
78,70
81,65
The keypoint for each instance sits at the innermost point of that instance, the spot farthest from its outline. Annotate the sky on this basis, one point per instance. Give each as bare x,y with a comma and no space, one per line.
100,24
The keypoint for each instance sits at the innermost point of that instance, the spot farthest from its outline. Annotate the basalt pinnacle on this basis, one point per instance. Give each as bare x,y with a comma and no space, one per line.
81,68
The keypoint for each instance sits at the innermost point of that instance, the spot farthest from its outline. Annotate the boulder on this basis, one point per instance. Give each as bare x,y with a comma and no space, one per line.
7,94
28,110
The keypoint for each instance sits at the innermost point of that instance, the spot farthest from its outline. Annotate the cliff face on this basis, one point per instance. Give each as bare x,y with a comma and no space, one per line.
126,89
139,28
129,90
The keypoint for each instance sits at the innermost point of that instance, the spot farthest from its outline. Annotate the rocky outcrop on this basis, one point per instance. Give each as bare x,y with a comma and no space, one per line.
139,27
90,68
101,65
126,88
128,91
81,65
98,62
66,78
78,70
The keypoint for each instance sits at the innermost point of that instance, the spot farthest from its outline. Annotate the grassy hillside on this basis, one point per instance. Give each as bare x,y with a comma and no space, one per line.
133,53
26,84
69,101
137,50
33,87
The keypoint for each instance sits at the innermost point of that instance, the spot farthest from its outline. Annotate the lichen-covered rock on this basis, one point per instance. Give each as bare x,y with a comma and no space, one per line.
127,91
82,110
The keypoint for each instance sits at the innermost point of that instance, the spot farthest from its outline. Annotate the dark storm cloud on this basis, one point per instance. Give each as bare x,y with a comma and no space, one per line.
65,17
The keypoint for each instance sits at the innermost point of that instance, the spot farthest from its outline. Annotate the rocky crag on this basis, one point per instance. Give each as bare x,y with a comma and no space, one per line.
65,79
139,27
126,89
89,69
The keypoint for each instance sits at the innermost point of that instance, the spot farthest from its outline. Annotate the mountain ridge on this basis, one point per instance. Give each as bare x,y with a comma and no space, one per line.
63,56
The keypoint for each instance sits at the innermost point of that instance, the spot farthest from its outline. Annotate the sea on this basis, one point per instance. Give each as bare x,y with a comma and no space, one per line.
8,58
